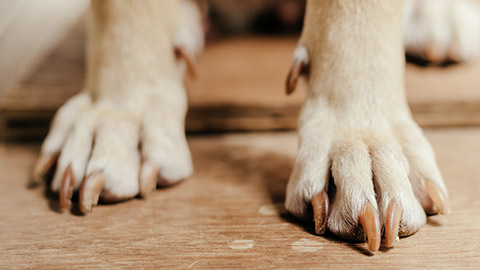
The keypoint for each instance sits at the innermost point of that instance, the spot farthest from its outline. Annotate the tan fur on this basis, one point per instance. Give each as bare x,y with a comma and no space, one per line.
355,121
440,30
355,124
133,95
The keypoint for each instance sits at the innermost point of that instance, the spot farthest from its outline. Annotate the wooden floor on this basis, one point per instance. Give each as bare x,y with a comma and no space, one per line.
228,215
240,86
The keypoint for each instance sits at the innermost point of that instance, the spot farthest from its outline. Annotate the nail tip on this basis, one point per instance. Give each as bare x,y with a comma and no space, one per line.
37,178
320,230
85,209
389,244
66,206
32,183
374,248
145,194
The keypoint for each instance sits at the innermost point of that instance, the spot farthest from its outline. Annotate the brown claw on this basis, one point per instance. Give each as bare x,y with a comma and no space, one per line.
148,180
189,60
371,226
433,54
394,213
66,189
320,205
42,167
297,69
90,191
454,53
438,197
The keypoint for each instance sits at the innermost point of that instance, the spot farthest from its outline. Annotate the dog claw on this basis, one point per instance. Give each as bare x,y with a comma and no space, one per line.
66,189
320,205
438,197
433,53
299,67
90,191
292,78
148,179
42,167
180,52
295,72
455,52
394,213
370,223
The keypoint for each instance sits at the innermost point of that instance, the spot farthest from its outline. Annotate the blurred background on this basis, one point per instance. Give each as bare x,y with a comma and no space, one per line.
241,72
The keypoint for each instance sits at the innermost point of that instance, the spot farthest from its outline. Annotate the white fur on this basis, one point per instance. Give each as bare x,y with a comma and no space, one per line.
115,152
165,144
190,33
301,55
352,174
355,122
77,148
134,94
448,27
391,175
63,122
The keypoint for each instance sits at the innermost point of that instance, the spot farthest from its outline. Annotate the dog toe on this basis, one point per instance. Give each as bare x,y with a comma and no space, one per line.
164,150
354,214
115,154
76,151
372,188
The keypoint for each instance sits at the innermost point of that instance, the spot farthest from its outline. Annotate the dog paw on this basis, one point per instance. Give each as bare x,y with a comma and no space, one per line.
382,179
110,153
442,30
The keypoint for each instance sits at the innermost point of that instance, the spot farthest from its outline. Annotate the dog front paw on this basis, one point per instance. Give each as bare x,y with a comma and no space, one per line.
111,152
383,179
442,30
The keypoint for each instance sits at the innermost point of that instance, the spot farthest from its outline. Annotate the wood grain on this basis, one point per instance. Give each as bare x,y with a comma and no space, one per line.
228,215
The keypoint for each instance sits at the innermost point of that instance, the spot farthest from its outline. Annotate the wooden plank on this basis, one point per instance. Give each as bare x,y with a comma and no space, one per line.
228,215
239,87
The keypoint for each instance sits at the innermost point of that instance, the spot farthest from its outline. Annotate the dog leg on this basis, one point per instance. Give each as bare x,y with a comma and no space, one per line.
356,127
134,96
